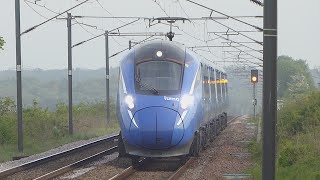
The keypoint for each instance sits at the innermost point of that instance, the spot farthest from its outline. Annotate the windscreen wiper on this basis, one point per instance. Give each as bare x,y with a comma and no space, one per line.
149,87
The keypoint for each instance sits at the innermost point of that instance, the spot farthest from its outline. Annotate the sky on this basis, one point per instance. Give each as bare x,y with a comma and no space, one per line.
46,46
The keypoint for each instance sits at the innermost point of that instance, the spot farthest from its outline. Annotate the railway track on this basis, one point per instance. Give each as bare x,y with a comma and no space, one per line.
143,168
170,172
60,163
233,119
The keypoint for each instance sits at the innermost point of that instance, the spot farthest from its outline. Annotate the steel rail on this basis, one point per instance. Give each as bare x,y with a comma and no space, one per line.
178,173
182,169
77,164
234,119
127,172
43,160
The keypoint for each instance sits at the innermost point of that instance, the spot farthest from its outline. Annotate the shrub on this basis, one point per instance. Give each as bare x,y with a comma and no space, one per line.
44,129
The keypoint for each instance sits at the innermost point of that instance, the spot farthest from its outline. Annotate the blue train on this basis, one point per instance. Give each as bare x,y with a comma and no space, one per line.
169,102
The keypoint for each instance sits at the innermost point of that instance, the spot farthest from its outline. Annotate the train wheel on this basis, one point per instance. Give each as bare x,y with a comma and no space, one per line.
135,161
196,146
211,132
203,138
121,148
184,159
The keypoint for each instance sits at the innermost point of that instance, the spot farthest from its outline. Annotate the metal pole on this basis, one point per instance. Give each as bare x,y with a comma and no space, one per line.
18,69
130,44
269,89
70,72
107,76
254,100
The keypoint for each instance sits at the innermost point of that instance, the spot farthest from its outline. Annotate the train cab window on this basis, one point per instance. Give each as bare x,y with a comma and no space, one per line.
158,77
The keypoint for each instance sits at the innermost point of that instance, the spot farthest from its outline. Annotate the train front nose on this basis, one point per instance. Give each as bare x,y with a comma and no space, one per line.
155,128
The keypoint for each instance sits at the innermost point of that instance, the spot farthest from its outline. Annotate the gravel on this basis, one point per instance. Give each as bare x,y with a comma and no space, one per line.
55,164
157,169
11,164
217,160
105,168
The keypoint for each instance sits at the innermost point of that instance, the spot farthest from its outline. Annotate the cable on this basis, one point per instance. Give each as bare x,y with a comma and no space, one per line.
238,43
108,11
161,7
104,33
38,25
182,9
117,42
43,6
128,48
26,2
212,10
237,31
257,2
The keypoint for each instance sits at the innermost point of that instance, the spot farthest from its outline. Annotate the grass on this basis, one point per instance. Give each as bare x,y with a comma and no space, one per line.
297,158
298,145
44,129
33,146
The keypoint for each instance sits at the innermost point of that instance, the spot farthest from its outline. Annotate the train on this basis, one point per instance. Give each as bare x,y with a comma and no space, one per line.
170,103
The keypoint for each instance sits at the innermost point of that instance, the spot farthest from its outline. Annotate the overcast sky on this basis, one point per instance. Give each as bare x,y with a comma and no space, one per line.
46,46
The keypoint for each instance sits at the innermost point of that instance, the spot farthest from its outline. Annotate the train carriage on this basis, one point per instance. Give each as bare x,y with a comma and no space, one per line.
169,102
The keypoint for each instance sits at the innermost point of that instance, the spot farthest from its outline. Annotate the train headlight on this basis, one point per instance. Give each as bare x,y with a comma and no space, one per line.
159,53
186,101
129,101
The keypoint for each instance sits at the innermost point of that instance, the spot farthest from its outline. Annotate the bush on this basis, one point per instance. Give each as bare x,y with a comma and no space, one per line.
44,129
299,114
298,145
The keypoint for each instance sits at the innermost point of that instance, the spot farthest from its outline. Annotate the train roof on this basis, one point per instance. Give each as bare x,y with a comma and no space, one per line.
183,47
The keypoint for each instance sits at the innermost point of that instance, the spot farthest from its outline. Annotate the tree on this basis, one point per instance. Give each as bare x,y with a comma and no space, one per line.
294,76
7,105
1,42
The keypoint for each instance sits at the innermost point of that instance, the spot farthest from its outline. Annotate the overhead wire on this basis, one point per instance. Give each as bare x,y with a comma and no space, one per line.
104,33
212,10
161,7
241,44
26,2
237,32
77,22
52,18
128,48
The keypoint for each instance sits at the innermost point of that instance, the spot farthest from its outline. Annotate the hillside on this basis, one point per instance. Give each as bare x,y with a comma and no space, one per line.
49,87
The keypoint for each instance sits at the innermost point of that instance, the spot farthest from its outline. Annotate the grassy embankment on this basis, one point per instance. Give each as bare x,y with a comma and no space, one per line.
44,129
298,140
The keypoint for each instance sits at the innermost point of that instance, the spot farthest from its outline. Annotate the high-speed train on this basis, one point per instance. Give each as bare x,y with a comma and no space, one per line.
170,103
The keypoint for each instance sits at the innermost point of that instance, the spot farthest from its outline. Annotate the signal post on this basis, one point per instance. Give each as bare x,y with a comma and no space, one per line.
254,80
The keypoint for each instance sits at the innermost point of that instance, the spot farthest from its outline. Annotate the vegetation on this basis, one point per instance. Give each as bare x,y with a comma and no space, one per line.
1,42
298,127
294,77
44,129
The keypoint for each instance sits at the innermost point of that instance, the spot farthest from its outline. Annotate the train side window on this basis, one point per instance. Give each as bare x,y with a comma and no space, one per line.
198,77
213,89
222,86
218,86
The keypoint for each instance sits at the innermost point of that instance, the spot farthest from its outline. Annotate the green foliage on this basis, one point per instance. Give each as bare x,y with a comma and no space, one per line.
6,106
299,115
1,42
44,129
298,145
293,76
